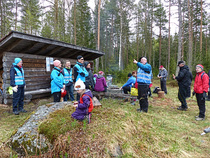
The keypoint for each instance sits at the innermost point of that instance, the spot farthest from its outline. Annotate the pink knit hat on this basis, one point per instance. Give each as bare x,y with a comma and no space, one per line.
56,63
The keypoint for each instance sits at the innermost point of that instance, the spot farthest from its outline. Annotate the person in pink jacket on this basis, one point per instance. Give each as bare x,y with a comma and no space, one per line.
201,86
100,85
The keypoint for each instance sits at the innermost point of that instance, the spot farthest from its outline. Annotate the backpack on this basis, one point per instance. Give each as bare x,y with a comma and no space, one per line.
156,90
90,108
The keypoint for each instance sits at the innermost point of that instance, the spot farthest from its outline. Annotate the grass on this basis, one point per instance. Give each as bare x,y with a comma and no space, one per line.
162,132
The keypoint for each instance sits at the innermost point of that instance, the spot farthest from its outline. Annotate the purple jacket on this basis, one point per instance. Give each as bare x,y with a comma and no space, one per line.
82,109
100,84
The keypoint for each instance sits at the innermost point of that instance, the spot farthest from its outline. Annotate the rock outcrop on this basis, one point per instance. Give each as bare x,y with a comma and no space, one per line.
27,140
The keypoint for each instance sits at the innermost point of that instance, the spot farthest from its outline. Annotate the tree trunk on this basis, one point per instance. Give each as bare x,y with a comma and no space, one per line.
56,20
169,39
120,51
190,50
1,18
98,43
180,35
201,29
75,24
160,45
150,46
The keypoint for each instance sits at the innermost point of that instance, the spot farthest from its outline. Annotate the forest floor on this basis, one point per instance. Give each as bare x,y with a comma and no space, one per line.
118,130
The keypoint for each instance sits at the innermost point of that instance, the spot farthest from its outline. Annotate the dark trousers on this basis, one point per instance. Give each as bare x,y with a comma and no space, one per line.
18,98
201,104
126,89
57,96
163,86
142,96
182,95
70,92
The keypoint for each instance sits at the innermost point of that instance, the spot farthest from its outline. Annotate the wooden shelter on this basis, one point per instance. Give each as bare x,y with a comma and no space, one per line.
37,54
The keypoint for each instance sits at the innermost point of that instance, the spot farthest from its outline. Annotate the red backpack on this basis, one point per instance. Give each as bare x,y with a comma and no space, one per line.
90,108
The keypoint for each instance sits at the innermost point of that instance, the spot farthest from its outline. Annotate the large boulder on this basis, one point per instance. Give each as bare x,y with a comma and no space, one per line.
27,139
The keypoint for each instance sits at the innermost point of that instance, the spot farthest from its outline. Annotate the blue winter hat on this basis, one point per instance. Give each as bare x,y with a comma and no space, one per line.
17,60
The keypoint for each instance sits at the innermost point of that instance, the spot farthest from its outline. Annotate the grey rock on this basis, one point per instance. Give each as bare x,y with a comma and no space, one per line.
27,137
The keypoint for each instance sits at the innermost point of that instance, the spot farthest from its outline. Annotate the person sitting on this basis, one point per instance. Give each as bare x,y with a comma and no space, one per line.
85,104
100,85
131,81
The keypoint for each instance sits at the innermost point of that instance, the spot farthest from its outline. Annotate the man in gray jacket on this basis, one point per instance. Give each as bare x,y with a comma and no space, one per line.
163,73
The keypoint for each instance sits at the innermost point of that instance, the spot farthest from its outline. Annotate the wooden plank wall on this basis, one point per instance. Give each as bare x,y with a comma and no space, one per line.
36,76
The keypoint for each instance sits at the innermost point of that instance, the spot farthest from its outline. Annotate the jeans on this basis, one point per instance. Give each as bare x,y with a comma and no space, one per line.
70,91
18,98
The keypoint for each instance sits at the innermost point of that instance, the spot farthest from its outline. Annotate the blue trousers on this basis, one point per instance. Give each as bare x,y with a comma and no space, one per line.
18,98
70,91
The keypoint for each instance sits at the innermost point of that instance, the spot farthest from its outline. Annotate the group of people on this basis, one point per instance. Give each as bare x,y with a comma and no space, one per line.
84,82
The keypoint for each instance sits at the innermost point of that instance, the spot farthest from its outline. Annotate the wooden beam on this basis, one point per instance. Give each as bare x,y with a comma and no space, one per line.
14,44
53,51
27,48
39,52
66,51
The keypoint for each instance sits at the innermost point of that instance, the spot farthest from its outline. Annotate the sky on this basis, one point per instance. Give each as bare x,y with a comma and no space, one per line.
174,19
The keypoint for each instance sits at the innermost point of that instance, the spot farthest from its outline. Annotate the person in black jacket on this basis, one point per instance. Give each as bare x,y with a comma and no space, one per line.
184,81
17,82
89,81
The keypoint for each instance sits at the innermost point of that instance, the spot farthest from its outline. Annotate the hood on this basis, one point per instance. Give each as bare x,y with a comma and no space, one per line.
88,92
185,67
86,63
100,76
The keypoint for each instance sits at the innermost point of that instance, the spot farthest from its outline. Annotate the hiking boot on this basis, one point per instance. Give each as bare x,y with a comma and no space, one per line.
199,119
16,112
181,108
23,110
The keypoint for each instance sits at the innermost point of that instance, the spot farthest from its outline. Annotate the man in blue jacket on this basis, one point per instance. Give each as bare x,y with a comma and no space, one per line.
144,76
127,86
80,71
57,81
17,82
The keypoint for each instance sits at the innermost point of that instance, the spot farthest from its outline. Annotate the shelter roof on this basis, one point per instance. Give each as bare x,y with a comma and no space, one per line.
18,42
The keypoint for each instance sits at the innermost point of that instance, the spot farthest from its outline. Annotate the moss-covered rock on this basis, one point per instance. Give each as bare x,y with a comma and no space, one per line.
27,140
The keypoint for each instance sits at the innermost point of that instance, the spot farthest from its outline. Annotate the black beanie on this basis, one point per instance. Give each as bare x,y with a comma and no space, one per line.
129,75
79,57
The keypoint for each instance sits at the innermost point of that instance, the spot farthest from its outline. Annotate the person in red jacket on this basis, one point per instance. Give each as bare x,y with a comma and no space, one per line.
201,86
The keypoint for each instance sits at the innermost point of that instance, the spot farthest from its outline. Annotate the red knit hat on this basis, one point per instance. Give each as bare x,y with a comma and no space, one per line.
101,72
200,66
56,63
161,66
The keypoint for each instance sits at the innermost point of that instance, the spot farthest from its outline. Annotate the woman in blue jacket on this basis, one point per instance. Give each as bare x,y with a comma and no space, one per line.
131,81
57,81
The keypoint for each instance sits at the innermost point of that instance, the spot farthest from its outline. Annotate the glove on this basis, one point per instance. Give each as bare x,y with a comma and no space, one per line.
15,89
193,93
204,95
82,74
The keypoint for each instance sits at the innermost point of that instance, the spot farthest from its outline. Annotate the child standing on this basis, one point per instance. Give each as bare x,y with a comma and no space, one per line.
201,86
85,105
